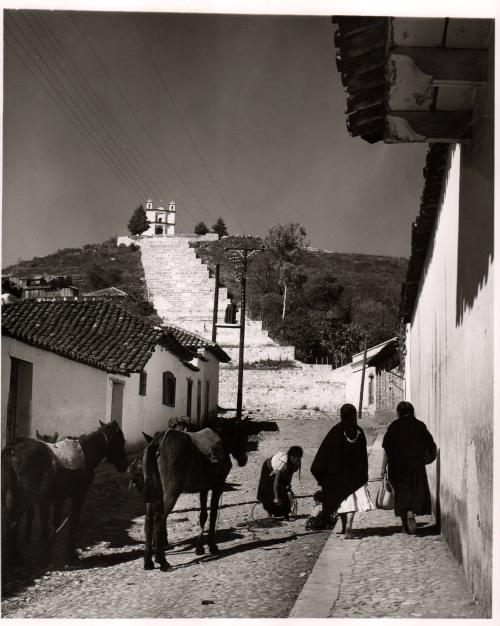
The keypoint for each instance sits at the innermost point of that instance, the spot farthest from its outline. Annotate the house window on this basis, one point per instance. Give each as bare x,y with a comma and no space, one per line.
207,398
370,390
168,389
189,397
143,379
198,404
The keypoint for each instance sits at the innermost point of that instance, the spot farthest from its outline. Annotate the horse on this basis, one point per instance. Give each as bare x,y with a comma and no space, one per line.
176,462
34,471
30,513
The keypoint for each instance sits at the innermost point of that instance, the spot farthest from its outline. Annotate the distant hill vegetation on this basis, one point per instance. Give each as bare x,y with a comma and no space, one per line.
94,267
332,299
332,303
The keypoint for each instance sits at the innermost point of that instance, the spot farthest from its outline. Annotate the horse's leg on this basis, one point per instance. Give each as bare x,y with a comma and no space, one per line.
44,507
74,518
214,509
160,533
30,514
203,520
148,532
169,500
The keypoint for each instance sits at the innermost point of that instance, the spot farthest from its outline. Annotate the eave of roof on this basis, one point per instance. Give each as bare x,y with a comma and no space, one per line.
435,173
361,50
193,342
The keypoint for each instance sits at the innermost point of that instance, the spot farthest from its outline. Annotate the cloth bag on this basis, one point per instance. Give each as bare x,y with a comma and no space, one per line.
430,454
385,495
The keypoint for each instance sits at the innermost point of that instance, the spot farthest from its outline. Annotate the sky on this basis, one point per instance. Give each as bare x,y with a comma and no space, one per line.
238,116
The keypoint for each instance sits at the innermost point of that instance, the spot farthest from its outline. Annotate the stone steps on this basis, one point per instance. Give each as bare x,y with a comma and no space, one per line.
182,290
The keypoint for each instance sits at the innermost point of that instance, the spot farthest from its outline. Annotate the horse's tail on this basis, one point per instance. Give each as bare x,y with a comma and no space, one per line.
9,483
150,470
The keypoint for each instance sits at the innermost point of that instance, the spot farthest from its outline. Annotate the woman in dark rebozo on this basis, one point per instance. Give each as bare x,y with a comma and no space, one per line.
408,446
341,469
275,484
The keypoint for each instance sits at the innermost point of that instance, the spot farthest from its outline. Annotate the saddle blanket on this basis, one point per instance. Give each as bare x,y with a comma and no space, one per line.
68,453
209,444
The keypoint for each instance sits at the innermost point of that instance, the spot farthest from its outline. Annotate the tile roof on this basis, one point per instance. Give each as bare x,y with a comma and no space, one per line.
98,333
108,291
193,341
361,49
435,174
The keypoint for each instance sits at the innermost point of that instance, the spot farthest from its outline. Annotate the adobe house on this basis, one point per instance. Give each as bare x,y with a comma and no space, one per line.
67,364
389,381
432,80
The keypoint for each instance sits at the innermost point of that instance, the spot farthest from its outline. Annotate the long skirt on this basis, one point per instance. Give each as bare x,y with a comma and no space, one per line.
411,492
357,502
265,493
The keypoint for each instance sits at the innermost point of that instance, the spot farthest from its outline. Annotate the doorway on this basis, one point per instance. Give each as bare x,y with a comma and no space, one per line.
20,399
117,402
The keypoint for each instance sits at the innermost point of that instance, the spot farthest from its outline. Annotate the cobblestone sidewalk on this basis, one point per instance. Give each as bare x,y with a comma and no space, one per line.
383,572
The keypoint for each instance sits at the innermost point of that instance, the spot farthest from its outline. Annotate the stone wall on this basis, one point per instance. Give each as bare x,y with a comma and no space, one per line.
302,386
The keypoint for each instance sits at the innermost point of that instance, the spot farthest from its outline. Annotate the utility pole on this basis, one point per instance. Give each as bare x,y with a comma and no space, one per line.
216,302
362,382
240,257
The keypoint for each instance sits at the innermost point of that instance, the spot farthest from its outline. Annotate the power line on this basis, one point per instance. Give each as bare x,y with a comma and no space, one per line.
87,40
102,109
76,123
75,109
89,115
167,90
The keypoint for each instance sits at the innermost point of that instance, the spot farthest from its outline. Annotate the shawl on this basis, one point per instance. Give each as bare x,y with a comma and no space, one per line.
340,467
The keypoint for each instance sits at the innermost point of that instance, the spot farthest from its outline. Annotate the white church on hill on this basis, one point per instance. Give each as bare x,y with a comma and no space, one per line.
161,220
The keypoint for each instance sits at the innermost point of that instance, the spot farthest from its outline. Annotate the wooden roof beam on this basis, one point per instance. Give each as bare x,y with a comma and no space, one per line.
449,66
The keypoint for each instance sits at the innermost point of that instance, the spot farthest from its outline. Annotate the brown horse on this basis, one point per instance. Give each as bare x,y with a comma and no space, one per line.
30,513
35,472
177,462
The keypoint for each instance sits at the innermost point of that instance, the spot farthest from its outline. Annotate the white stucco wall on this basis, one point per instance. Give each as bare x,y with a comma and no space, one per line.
148,413
70,398
67,396
450,365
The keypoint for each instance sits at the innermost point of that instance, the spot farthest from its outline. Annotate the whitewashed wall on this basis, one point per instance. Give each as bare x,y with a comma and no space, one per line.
67,396
70,397
450,366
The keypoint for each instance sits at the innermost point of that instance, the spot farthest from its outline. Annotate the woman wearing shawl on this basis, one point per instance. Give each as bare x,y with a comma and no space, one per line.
275,484
408,446
341,469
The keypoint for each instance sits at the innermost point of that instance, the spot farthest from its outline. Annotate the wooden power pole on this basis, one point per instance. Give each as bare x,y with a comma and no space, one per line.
362,382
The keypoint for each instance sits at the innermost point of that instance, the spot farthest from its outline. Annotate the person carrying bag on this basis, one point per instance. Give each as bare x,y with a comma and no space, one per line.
385,495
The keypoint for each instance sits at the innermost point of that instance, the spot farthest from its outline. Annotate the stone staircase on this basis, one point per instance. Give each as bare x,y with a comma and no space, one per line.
182,290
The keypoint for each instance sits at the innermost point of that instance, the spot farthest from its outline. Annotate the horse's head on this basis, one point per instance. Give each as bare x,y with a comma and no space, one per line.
47,438
234,437
115,441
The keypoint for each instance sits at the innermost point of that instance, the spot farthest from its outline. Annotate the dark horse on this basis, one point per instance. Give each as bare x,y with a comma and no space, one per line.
33,472
176,462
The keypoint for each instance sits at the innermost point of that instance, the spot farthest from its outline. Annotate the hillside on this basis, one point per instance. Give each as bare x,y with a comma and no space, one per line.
339,298
364,298
93,267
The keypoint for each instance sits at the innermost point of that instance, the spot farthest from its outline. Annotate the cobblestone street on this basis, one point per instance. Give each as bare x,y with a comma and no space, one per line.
263,564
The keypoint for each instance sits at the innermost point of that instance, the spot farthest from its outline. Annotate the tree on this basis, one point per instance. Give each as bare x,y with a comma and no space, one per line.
138,223
201,229
220,228
286,244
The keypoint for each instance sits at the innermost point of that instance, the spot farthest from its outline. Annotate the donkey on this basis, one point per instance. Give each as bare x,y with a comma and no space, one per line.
30,513
35,471
177,462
